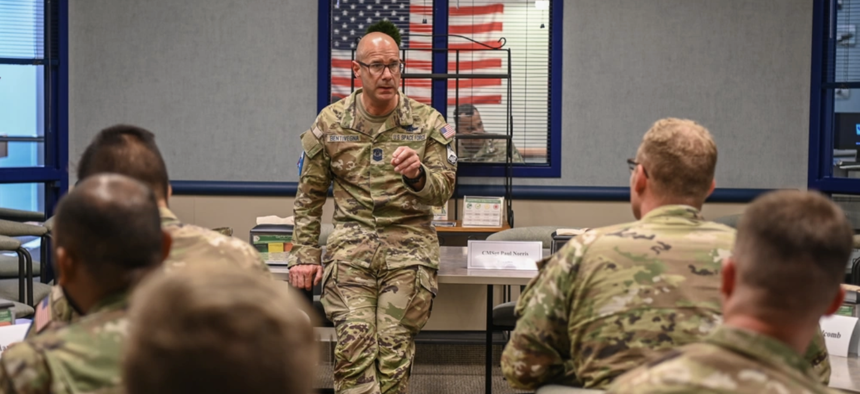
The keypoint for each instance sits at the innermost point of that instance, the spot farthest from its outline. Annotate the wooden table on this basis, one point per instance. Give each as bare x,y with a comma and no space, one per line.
460,236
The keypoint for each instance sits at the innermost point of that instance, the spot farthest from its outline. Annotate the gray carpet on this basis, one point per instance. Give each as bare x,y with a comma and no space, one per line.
441,369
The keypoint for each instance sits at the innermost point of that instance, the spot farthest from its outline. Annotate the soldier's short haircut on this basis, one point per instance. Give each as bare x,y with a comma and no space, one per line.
792,248
218,329
111,225
127,150
464,110
680,157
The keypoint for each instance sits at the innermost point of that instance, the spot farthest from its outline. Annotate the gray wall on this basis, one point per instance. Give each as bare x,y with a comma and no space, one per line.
228,85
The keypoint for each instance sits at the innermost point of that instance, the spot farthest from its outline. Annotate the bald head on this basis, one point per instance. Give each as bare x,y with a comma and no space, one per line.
375,42
109,226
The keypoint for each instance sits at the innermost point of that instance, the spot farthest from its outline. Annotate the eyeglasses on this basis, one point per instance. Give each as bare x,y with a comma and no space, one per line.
395,67
632,164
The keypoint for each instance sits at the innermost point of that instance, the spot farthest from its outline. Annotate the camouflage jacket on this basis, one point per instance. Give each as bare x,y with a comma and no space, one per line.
375,210
731,360
83,357
617,296
614,296
492,151
191,245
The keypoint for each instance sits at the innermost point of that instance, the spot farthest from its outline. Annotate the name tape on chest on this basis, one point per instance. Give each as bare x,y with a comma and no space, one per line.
342,138
408,137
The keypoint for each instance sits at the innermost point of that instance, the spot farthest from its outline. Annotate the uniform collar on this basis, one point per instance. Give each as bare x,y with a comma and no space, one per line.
683,211
759,347
167,216
402,115
112,302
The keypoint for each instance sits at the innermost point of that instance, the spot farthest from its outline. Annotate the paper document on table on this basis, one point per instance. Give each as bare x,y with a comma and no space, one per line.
483,211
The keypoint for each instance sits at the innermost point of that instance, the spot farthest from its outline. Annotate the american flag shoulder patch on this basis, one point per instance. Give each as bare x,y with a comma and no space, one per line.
43,314
447,131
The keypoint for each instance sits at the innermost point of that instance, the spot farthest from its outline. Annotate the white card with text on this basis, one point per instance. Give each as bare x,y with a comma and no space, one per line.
504,255
838,331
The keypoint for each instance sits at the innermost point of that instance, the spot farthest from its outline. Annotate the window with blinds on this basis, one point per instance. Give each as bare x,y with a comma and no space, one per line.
22,29
524,28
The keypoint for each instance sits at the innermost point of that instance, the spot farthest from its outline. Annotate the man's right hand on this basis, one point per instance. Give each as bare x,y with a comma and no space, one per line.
306,276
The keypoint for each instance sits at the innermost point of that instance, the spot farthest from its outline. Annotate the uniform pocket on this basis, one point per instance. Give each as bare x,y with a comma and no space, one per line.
330,298
421,304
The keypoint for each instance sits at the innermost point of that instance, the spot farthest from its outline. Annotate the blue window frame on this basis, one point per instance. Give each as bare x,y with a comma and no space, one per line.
34,92
835,98
551,168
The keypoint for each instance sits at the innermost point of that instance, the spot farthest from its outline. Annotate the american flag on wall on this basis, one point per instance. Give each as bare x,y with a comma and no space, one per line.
414,18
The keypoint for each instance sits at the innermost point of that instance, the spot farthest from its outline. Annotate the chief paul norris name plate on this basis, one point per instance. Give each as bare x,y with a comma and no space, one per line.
504,255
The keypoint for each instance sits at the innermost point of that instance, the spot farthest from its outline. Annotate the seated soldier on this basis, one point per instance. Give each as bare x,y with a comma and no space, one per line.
202,345
614,297
107,235
469,122
131,151
784,274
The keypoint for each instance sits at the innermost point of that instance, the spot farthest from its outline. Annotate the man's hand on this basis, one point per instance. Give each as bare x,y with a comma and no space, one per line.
406,162
306,276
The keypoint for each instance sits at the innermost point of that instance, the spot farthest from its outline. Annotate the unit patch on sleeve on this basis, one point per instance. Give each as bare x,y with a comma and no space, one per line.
452,156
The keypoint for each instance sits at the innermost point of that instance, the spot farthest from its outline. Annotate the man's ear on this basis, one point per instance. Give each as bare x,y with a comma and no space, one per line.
641,181
836,302
65,266
356,69
166,244
728,277
169,191
713,186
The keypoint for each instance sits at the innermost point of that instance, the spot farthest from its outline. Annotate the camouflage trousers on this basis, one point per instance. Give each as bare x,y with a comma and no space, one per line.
376,313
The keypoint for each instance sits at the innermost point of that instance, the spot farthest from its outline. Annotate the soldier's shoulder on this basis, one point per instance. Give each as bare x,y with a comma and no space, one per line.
24,363
676,369
195,242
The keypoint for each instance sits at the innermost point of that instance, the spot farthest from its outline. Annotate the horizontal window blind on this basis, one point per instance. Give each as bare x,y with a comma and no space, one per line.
22,29
526,31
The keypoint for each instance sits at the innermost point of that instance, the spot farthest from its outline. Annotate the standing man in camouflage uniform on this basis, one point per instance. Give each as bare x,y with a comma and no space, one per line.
131,151
469,122
391,160
616,296
107,236
784,274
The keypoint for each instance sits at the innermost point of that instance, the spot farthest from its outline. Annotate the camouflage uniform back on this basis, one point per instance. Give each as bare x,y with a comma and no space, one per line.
492,151
381,258
617,296
191,245
83,357
731,360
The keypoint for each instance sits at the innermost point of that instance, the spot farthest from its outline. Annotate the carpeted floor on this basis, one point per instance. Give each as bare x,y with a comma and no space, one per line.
441,369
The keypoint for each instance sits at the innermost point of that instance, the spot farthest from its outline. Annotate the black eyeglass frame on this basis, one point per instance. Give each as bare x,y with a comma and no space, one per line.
631,163
370,66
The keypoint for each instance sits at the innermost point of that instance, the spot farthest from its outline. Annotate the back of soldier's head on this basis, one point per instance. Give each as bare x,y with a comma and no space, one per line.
110,225
680,158
791,251
126,150
217,329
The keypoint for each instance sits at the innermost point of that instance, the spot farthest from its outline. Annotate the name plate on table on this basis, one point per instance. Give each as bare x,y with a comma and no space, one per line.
504,255
839,334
